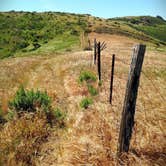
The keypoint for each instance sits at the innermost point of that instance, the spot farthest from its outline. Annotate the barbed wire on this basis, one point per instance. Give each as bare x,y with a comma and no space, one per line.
125,62
121,60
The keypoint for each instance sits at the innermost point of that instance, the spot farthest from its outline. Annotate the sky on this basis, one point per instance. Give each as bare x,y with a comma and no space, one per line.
100,8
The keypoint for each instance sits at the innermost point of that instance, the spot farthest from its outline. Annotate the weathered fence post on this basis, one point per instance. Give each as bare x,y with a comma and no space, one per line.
127,121
99,60
95,44
112,77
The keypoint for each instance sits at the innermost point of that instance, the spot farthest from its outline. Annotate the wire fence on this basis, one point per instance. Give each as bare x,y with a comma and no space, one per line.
121,76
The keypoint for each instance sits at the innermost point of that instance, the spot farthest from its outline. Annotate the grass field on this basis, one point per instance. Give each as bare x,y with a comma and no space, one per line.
90,135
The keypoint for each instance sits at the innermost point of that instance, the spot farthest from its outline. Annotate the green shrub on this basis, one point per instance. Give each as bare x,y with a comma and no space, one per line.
92,90
58,114
74,32
30,101
86,102
87,76
36,45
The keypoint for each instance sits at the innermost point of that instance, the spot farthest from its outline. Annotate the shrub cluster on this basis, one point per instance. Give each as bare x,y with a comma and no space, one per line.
28,118
86,102
30,101
87,76
34,101
20,30
92,90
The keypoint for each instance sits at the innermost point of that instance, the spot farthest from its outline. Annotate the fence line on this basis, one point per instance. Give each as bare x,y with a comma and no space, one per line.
127,121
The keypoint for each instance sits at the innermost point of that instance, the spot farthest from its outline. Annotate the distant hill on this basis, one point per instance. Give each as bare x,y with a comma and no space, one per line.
26,32
154,27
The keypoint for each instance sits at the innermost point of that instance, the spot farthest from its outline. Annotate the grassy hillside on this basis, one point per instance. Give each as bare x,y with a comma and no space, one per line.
30,31
25,33
63,115
154,27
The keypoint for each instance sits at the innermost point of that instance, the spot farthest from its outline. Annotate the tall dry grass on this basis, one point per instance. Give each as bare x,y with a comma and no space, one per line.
20,139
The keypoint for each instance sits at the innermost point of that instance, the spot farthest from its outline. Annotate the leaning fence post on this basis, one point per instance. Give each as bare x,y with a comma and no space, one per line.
112,77
99,61
127,121
95,51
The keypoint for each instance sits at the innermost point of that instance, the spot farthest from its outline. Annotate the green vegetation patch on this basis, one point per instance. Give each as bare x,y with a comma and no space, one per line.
158,32
153,29
30,100
30,31
86,102
87,76
93,91
26,101
27,126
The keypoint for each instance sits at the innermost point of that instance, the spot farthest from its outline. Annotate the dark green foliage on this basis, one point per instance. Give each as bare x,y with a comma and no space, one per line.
86,102
59,117
159,17
18,30
26,101
87,76
92,90
30,101
74,32
36,45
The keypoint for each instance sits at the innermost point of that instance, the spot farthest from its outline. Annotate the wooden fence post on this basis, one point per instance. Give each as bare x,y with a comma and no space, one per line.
127,121
112,77
99,60
89,44
95,46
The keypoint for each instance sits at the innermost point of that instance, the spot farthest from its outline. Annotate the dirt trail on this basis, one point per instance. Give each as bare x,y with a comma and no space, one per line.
91,135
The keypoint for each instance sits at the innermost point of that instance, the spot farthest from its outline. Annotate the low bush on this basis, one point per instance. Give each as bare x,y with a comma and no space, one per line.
59,117
36,45
30,101
86,102
92,90
87,76
29,117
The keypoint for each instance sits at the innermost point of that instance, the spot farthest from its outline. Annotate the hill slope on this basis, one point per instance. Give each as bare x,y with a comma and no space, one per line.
151,26
91,135
25,33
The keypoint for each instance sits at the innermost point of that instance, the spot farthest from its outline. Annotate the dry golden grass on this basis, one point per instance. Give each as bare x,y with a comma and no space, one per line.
92,135
21,139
